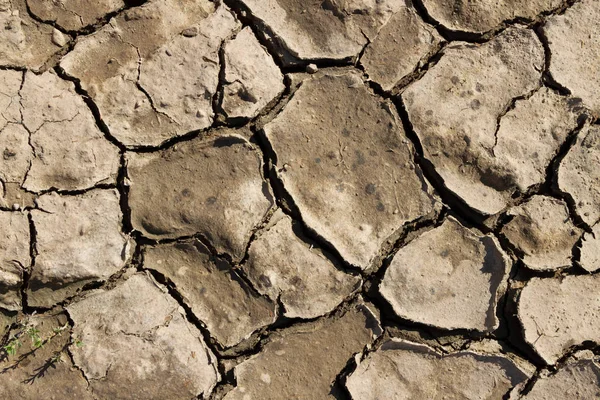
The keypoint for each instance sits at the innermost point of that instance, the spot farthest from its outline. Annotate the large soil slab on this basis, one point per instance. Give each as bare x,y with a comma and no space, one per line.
542,231
343,156
313,30
153,71
455,109
400,47
577,378
213,187
485,15
450,277
137,344
574,43
78,241
294,272
73,15
217,296
404,370
579,176
303,362
15,258
557,314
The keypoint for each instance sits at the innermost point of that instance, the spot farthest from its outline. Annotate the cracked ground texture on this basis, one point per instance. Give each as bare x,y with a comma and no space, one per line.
283,199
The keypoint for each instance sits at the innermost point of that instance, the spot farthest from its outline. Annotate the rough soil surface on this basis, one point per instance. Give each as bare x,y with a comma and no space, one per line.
138,336
15,258
73,15
306,359
284,199
78,241
590,250
212,289
252,78
327,29
284,266
402,46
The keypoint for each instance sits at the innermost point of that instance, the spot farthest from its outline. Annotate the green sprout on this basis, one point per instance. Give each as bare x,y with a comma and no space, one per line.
34,334
12,346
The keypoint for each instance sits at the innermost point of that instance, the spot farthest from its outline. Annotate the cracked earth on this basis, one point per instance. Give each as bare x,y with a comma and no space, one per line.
277,199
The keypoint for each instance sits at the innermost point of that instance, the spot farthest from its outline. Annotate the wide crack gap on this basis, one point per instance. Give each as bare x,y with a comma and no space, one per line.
551,186
28,272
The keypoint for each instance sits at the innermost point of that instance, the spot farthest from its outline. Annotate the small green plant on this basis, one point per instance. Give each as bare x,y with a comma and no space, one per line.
78,343
12,346
60,329
34,334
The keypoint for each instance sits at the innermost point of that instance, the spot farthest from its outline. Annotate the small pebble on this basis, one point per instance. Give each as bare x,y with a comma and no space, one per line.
311,68
58,38
190,32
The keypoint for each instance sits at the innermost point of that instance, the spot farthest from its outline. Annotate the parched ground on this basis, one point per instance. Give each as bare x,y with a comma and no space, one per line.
285,199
